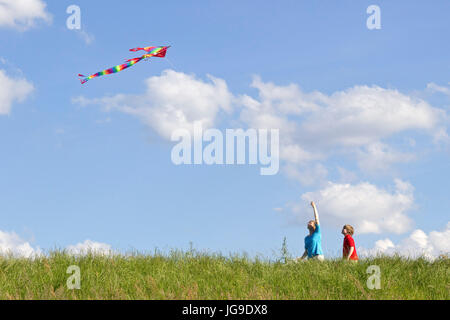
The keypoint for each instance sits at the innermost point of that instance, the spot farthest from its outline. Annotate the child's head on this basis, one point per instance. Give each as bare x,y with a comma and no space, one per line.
311,226
348,229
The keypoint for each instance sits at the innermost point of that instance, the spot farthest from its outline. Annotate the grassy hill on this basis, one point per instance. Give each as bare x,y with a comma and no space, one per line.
194,275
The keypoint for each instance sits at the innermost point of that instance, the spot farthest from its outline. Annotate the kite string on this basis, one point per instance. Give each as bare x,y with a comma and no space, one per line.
171,64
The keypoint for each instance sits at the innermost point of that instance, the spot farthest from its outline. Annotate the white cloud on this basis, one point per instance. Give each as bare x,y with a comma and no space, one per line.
310,123
295,154
12,244
314,175
440,240
87,37
12,90
441,136
436,88
378,156
284,100
363,115
384,245
354,117
314,126
89,246
22,14
346,176
368,208
417,244
172,101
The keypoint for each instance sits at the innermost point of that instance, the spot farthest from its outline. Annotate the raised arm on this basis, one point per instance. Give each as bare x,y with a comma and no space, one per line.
316,215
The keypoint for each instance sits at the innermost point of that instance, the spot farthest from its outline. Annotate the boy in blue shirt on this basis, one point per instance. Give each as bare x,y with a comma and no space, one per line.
313,242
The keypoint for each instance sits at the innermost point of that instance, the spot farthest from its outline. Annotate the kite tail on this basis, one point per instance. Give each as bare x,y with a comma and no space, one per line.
137,49
151,52
135,60
83,80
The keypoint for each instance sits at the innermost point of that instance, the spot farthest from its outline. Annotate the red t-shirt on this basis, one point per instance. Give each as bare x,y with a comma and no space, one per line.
349,242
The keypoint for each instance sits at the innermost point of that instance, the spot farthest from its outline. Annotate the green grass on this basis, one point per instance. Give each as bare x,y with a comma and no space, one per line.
194,275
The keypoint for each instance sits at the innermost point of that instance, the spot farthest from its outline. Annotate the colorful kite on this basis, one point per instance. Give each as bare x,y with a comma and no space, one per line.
159,52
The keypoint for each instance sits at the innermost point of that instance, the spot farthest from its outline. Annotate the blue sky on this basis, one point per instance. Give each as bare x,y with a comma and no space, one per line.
72,171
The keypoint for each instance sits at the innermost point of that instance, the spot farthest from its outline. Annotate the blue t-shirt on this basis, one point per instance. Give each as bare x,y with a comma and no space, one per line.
313,243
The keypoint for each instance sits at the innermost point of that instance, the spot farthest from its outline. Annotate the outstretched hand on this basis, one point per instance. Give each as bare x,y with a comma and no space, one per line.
316,215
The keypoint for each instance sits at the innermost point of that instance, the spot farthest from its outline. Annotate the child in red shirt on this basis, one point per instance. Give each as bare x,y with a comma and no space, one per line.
349,250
